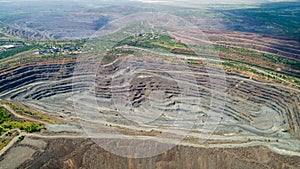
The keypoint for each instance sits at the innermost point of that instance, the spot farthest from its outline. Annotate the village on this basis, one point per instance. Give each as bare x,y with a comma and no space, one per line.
64,49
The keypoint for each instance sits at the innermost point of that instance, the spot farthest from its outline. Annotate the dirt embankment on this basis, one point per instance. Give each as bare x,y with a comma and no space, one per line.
76,153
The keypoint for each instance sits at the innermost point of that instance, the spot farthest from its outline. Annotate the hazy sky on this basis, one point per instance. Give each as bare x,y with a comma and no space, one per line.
213,1
183,1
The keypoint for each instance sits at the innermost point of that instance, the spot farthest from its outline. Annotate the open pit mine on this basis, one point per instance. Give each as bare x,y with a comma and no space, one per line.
157,100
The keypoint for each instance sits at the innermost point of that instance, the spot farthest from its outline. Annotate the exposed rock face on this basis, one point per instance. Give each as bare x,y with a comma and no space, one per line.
79,153
248,102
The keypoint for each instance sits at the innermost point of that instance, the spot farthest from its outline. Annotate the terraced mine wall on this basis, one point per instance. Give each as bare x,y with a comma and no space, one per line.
247,100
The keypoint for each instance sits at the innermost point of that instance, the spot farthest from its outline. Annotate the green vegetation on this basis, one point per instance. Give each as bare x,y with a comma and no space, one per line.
239,66
294,64
40,45
4,115
4,143
21,138
21,46
271,18
154,41
4,140
246,67
113,54
108,59
61,44
21,110
195,62
241,59
7,123
252,53
228,64
147,40
11,42
120,52
15,51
